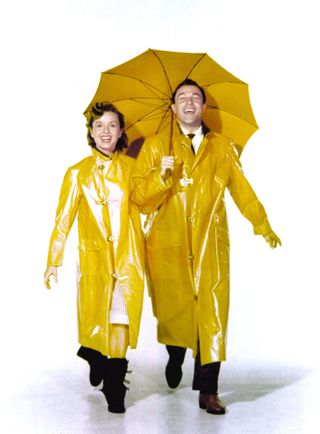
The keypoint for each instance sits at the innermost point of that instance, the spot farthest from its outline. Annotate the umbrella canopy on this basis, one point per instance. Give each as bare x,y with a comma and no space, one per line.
142,87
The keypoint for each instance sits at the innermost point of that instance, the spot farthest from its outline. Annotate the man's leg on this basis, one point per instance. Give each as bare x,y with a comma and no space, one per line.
174,366
205,379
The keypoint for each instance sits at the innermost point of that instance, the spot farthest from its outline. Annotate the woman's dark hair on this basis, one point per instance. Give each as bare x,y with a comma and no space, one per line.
189,82
96,111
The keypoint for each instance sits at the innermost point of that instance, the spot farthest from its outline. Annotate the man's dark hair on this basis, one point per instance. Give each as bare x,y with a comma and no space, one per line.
189,82
96,111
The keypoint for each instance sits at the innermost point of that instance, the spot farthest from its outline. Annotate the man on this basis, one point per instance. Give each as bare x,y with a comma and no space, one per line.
187,241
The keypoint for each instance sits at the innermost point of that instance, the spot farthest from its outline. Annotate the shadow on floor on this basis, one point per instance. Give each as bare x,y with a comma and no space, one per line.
252,384
241,385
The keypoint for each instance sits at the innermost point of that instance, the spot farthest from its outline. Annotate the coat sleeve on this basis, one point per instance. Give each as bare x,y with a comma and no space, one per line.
148,189
65,215
244,196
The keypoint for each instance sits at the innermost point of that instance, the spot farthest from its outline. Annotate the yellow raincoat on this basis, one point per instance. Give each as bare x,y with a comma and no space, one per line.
83,193
187,242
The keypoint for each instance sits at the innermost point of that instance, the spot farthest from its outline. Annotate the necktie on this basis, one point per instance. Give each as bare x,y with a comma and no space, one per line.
191,136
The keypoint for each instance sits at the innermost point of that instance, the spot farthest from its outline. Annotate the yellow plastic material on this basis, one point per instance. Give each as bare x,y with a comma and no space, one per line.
142,88
83,194
187,242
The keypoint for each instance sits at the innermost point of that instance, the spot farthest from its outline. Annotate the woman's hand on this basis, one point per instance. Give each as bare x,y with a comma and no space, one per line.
50,271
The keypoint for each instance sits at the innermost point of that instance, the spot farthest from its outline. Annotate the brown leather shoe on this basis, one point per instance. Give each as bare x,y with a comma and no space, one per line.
212,403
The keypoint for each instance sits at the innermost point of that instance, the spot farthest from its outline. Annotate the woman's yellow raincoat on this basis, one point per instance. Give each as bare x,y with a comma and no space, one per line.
83,193
187,242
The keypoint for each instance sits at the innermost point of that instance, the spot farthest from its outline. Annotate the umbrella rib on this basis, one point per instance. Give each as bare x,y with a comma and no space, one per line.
194,66
148,114
144,83
140,99
162,119
164,69
231,114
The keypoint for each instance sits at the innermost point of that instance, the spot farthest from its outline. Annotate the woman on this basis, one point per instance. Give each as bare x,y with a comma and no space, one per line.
110,290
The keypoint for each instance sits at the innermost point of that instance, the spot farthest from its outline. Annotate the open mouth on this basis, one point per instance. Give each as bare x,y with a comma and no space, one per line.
105,138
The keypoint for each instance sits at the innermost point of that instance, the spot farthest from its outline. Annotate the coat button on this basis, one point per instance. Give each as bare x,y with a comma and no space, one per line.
101,167
196,297
191,257
110,238
106,202
216,218
189,218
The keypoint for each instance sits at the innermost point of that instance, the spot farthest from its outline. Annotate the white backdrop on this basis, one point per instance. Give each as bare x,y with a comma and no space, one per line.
52,55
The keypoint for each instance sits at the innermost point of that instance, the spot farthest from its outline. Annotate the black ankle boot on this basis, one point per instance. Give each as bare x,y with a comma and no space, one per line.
96,364
173,369
113,388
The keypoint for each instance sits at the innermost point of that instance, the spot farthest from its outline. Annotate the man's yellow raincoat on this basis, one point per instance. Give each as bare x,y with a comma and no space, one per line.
187,241
83,193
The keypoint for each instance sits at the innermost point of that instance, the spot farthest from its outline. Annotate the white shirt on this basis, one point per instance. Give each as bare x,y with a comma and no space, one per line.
197,139
118,310
114,203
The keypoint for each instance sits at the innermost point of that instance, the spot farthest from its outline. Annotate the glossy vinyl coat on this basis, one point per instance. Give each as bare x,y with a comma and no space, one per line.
187,243
83,194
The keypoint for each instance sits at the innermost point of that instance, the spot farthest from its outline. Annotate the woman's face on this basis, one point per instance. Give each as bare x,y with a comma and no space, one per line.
106,131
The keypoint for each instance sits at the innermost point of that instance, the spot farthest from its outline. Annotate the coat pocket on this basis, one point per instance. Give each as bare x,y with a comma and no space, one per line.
223,245
223,235
90,256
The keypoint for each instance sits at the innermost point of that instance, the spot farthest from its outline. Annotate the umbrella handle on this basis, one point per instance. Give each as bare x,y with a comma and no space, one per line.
171,134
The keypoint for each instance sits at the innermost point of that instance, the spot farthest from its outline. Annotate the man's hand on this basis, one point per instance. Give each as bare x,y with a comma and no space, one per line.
50,271
272,239
167,164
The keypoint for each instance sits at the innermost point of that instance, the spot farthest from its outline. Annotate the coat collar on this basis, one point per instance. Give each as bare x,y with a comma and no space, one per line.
179,139
99,156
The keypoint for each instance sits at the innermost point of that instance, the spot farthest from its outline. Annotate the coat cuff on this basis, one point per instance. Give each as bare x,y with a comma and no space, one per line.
55,255
263,229
164,184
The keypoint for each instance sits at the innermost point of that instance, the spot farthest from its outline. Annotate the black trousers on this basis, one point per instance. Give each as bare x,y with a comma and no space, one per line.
205,377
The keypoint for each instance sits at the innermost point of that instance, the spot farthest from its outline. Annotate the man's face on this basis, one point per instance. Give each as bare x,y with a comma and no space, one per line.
188,107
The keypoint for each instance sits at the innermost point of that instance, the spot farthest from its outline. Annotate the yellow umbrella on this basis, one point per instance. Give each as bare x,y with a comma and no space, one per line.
142,87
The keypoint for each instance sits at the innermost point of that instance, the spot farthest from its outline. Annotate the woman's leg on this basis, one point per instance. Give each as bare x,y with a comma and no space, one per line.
113,387
118,340
96,363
